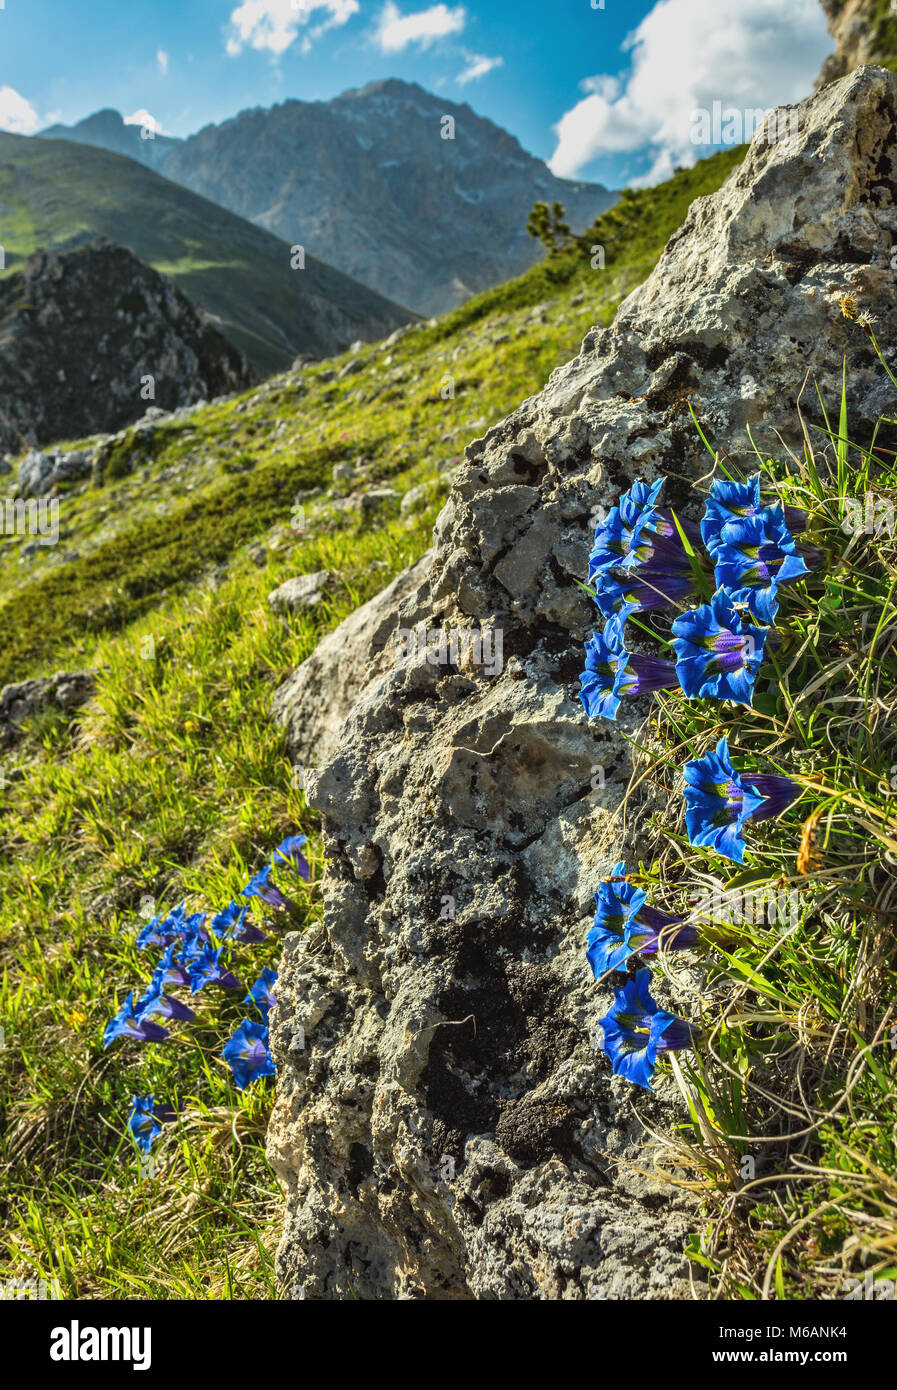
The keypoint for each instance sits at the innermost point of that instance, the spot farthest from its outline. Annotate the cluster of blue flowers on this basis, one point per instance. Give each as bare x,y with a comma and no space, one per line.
192,958
635,1030
645,558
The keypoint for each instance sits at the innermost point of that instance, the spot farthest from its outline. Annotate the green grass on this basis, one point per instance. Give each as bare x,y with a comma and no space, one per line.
173,783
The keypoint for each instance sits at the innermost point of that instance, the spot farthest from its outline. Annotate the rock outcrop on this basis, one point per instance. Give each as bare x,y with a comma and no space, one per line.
84,333
865,31
67,690
444,1126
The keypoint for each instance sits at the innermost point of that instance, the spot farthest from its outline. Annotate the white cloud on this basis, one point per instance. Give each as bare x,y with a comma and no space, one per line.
477,66
396,31
162,60
143,118
686,54
275,24
16,113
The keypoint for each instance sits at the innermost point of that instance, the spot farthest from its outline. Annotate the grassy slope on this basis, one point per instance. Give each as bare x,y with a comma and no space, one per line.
174,783
53,190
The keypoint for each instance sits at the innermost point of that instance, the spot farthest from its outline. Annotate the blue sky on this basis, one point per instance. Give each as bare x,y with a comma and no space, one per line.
601,93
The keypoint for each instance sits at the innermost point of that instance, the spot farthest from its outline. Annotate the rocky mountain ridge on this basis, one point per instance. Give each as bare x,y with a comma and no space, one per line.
90,339
370,183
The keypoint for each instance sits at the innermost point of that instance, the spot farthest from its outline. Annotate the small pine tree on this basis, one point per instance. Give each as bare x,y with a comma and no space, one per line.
548,226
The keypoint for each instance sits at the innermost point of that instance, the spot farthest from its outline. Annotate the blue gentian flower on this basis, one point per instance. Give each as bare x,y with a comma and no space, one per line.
161,931
636,1030
154,1002
752,556
146,1119
644,589
718,655
718,803
206,969
230,924
170,970
616,537
260,887
612,673
730,501
193,928
143,1123
605,946
289,851
247,1053
128,1023
155,933
262,993
626,925
605,653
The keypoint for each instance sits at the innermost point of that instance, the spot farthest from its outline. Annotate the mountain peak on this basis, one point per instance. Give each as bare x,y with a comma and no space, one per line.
369,182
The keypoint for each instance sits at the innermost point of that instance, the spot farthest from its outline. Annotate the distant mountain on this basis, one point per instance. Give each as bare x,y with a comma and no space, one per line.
80,332
106,130
368,181
57,194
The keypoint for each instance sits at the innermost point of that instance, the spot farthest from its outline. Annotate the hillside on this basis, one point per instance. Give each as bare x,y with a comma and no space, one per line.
57,194
368,181
173,782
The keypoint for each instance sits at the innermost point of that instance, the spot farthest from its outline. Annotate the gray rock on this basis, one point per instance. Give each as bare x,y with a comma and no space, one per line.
67,690
305,591
418,498
312,724
378,498
355,364
343,472
447,1130
96,323
863,31
39,472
